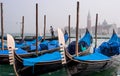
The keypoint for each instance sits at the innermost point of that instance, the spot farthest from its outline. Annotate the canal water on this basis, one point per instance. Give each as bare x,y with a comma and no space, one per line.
7,70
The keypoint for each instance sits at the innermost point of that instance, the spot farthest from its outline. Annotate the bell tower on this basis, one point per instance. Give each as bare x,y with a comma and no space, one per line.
89,21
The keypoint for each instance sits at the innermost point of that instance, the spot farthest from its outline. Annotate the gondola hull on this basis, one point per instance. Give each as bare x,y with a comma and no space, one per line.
85,67
4,59
44,62
102,58
37,69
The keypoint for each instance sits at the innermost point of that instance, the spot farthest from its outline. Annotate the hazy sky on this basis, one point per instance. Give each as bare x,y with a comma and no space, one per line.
57,12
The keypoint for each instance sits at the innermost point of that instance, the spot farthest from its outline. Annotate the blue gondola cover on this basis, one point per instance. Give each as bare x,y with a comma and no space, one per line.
48,57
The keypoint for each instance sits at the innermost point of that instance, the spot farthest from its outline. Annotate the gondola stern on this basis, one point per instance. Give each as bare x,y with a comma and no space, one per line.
62,45
11,48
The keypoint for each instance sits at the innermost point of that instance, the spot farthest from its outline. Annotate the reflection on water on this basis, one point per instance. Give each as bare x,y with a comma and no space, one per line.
7,70
117,61
108,72
118,72
61,72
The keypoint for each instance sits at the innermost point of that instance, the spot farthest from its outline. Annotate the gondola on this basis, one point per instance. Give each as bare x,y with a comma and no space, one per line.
100,59
29,43
44,44
4,54
29,51
25,43
47,62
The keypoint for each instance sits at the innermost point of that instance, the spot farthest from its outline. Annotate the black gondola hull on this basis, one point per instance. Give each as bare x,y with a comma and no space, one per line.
37,69
85,67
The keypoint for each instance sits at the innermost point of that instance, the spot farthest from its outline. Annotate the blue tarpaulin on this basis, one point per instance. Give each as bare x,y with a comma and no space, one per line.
84,43
87,38
18,51
44,45
53,44
110,48
92,57
48,57
66,37
27,43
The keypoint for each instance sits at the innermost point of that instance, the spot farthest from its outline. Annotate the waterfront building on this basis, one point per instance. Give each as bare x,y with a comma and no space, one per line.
105,28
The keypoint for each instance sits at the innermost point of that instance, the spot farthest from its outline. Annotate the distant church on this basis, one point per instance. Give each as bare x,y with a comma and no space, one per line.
89,22
105,28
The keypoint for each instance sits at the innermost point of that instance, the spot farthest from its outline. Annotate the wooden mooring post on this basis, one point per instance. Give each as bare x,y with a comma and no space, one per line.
2,29
22,33
44,26
96,30
36,29
69,27
77,28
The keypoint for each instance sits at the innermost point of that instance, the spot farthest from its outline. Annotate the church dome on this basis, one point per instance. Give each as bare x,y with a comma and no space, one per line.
104,22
